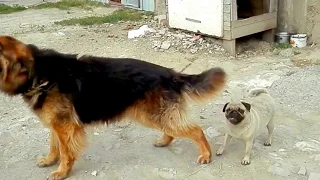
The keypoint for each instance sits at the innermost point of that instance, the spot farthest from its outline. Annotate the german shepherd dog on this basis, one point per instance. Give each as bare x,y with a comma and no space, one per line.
68,93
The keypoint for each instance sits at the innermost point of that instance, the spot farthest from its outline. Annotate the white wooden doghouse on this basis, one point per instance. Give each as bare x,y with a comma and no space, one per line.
219,18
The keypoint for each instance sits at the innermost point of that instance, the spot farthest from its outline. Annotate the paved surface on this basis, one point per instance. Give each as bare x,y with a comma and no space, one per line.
24,2
125,151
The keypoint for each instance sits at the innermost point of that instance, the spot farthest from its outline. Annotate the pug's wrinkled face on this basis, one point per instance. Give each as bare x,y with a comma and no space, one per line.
236,112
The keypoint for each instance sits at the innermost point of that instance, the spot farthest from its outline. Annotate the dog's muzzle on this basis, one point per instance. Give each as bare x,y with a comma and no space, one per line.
234,117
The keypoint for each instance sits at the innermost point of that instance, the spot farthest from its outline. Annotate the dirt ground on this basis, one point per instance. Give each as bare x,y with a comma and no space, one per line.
125,151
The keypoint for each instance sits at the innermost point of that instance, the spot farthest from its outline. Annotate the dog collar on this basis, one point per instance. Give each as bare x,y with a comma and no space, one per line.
38,89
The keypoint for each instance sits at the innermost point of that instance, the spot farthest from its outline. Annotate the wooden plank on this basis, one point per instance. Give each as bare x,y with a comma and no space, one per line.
230,46
228,28
254,28
227,35
266,6
254,19
227,8
273,6
226,1
234,10
227,23
268,35
226,17
270,6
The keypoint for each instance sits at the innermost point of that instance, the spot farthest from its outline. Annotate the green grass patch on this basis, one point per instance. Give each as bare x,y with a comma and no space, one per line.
67,4
283,45
5,9
115,17
63,5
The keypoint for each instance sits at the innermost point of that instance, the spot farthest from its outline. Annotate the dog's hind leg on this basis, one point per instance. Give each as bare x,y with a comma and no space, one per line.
174,124
164,141
53,154
168,116
270,128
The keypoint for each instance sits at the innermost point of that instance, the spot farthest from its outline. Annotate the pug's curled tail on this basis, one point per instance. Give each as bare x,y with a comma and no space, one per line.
257,91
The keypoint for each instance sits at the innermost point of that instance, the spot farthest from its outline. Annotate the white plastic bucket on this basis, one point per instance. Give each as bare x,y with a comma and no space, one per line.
298,40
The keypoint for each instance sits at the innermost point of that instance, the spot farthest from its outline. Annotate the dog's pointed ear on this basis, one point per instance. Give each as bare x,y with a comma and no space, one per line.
247,105
224,107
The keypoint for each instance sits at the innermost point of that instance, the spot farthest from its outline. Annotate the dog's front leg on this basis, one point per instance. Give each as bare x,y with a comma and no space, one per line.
222,148
71,139
247,153
53,154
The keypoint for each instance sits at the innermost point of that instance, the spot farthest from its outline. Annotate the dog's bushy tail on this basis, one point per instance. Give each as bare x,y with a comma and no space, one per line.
205,85
257,91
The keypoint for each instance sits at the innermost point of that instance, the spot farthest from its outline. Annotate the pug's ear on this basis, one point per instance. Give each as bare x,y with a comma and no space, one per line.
224,107
247,105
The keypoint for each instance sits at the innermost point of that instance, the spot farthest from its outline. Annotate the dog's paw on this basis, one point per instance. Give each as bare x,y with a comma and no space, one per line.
57,175
245,161
44,162
219,151
160,143
267,143
204,159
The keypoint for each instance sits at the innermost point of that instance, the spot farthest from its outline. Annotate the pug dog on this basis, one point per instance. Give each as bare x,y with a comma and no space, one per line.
246,118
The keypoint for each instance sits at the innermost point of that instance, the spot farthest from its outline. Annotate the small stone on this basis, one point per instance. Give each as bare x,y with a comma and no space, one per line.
314,176
156,44
165,45
159,17
162,32
118,130
273,154
276,51
278,171
157,36
202,117
96,133
164,22
286,53
194,50
302,171
179,36
94,173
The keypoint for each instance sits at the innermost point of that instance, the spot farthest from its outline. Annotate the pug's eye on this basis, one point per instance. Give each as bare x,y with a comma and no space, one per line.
241,111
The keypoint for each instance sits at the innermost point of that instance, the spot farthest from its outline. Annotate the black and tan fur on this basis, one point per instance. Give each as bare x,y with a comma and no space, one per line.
69,93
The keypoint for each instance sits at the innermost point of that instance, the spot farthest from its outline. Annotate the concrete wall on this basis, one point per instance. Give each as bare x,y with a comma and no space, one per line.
161,8
313,23
300,16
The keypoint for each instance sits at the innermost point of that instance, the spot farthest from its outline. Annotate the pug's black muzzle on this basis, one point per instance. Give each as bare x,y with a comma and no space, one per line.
234,117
